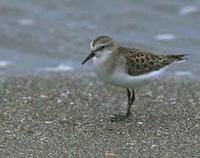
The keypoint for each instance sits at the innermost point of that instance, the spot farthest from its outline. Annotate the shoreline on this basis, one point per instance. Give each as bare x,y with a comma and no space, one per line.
62,115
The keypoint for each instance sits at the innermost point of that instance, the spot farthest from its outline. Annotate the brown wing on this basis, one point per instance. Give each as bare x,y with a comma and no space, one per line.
141,62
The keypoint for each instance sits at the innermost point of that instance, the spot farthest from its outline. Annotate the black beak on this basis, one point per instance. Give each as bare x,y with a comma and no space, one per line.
91,55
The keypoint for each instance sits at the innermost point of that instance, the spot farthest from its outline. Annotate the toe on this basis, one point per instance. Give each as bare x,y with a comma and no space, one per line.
118,117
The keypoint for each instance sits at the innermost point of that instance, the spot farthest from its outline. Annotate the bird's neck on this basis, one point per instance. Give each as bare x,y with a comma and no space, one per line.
104,64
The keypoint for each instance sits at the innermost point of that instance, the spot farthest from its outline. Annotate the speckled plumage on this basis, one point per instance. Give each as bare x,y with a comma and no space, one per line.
127,67
139,61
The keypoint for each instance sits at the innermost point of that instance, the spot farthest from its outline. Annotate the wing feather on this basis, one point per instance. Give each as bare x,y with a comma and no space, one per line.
140,61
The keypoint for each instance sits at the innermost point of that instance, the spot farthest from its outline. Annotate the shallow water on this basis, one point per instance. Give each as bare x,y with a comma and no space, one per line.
48,35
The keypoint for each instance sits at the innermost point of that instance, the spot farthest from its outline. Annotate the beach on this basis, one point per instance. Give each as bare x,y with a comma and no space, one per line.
57,115
52,106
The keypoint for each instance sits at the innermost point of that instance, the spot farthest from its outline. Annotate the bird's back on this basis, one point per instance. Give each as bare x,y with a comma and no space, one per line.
140,61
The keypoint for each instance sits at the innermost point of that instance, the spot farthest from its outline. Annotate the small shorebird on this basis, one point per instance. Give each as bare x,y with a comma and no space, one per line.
127,67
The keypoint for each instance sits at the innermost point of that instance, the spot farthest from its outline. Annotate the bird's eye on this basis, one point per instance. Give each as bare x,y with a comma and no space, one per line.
102,47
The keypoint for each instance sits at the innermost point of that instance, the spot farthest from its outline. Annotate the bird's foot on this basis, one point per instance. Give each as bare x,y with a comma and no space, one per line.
119,117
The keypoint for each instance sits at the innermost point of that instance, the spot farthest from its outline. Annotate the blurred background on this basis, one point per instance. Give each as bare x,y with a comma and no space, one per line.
38,36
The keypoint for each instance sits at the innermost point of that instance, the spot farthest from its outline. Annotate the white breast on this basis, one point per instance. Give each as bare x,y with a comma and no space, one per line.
99,61
100,68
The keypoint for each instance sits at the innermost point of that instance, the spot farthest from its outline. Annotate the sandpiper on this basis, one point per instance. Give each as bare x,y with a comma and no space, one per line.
127,67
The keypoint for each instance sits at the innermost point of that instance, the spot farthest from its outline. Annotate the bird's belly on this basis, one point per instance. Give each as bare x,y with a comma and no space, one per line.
122,79
126,81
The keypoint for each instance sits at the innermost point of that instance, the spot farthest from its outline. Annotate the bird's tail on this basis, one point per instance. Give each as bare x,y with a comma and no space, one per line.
178,57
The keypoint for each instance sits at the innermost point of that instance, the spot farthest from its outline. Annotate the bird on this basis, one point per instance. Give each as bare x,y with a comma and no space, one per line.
128,68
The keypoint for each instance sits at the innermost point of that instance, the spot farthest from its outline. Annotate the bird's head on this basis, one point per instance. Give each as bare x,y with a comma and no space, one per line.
100,46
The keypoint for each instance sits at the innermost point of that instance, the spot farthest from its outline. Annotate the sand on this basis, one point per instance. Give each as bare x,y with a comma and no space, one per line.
59,115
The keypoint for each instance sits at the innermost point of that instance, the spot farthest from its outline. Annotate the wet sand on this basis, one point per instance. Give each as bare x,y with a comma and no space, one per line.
62,116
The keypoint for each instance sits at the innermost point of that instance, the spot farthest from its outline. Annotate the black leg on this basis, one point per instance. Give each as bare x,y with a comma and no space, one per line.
131,99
